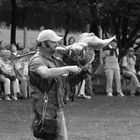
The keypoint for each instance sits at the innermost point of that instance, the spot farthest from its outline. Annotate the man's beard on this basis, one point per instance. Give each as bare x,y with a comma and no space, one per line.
51,50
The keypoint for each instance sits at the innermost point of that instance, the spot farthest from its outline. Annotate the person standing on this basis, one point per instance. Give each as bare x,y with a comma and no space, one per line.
111,67
45,69
128,66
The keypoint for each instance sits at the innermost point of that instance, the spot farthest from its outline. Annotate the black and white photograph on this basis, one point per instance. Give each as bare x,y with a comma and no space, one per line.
69,70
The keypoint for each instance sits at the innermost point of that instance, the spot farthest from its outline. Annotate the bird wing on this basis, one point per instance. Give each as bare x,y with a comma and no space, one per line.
82,51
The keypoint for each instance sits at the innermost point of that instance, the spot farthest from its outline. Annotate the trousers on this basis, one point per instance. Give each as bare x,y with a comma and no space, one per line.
110,73
24,86
7,82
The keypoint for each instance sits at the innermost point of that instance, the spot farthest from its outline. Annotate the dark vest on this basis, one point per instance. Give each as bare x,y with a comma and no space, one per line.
55,95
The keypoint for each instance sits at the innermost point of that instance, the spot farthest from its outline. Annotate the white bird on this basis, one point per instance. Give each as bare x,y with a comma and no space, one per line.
82,51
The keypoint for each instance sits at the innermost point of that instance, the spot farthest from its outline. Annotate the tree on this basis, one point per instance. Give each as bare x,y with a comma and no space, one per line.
6,7
121,17
72,11
75,10
95,20
13,21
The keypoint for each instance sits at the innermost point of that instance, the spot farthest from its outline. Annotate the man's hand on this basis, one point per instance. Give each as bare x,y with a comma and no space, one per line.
75,69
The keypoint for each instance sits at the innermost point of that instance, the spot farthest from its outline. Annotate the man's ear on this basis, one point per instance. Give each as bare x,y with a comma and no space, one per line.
43,44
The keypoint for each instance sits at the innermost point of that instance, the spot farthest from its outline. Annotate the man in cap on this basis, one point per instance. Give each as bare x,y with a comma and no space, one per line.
47,71
128,65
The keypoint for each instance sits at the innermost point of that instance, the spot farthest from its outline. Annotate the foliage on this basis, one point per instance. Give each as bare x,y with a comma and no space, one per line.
121,17
72,12
76,10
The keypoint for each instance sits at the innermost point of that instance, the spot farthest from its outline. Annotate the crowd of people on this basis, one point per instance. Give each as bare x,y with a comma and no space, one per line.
114,69
15,83
125,70
13,75
14,79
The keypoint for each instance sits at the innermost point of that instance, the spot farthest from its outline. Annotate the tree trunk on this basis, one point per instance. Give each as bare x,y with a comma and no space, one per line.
124,42
94,23
13,21
67,27
65,36
117,24
94,28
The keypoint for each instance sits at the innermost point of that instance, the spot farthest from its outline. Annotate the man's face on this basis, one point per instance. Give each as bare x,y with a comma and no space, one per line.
13,48
6,54
52,45
71,41
61,42
113,44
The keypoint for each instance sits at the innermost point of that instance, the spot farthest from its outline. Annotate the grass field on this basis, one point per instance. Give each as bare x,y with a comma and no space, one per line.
101,118
31,36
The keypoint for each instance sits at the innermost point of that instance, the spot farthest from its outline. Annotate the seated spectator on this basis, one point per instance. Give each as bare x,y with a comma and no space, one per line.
111,67
14,51
21,70
128,70
7,75
2,46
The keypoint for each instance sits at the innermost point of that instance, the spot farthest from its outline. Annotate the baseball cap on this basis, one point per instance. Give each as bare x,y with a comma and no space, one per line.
48,35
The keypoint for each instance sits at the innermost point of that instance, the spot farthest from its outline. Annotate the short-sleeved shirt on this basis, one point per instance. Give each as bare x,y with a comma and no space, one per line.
129,63
56,93
7,67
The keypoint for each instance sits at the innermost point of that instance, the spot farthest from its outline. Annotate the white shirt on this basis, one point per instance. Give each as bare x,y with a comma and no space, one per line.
7,67
129,63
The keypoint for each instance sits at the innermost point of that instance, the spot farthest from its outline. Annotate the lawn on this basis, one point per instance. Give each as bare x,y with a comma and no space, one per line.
101,118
